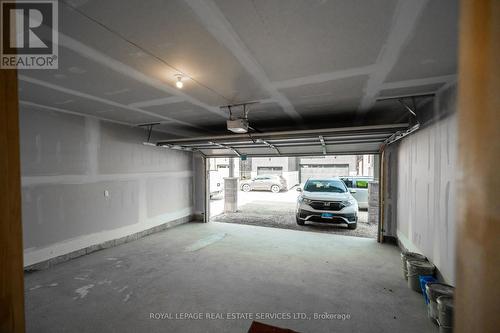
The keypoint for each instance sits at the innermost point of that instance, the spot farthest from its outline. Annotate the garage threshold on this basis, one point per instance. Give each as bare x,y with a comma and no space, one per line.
220,269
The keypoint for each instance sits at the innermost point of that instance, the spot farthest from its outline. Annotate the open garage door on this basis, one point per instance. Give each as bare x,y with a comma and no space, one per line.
257,203
342,141
322,171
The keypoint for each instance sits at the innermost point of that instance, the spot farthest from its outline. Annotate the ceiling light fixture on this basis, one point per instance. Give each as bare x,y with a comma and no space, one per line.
179,83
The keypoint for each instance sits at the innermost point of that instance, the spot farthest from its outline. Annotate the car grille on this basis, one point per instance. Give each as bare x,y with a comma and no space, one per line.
327,205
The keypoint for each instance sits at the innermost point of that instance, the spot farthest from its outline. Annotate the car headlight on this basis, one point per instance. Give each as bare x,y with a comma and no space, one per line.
305,200
349,202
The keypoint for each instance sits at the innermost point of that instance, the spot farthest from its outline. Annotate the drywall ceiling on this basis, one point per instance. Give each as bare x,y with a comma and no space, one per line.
310,64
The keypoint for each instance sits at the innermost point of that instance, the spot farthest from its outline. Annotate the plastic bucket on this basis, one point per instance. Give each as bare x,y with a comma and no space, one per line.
415,269
405,256
433,291
424,280
445,314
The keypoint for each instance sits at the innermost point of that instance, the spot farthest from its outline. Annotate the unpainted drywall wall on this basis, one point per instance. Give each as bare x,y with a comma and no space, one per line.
426,187
86,181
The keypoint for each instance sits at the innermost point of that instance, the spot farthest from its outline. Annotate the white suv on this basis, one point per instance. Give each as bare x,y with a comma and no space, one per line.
326,200
273,183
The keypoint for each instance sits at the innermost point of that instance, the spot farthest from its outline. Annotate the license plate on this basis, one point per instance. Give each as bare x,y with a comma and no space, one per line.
327,216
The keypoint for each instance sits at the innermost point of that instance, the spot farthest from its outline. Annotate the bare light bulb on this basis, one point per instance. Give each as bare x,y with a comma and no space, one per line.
179,83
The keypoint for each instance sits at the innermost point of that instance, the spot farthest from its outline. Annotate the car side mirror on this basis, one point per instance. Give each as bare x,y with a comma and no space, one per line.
352,191
299,189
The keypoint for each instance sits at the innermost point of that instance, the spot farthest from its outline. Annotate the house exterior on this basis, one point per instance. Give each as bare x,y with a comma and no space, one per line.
298,169
283,166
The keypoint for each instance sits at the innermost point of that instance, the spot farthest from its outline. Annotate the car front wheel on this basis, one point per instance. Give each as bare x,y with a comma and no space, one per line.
246,188
352,226
299,221
275,188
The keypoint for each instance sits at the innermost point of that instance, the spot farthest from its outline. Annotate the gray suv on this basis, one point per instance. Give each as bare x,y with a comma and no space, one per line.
273,183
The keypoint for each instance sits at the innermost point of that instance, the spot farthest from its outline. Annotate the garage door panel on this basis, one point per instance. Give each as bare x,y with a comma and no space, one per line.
333,141
269,170
322,171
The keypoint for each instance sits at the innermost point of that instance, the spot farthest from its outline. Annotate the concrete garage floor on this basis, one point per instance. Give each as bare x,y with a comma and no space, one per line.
277,210
221,268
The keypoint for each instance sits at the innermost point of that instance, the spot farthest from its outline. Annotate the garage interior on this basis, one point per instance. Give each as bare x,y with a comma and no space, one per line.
104,175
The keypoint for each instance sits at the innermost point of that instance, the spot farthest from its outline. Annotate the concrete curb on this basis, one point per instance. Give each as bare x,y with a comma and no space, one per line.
111,243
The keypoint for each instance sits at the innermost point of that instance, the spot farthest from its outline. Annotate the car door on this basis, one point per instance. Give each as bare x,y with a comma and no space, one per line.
265,183
361,195
257,183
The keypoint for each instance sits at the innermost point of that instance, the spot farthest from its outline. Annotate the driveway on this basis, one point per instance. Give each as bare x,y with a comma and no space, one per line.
277,210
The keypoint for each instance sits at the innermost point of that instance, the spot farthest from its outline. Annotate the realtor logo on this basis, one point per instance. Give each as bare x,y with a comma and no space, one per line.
29,34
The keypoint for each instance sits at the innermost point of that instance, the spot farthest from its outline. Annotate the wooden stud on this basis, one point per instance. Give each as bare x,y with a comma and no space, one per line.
11,248
477,304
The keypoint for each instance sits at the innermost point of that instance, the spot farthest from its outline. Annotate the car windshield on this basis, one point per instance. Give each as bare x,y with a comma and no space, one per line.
335,186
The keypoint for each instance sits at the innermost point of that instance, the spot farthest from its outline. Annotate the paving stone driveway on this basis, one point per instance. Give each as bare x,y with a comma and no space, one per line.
277,210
